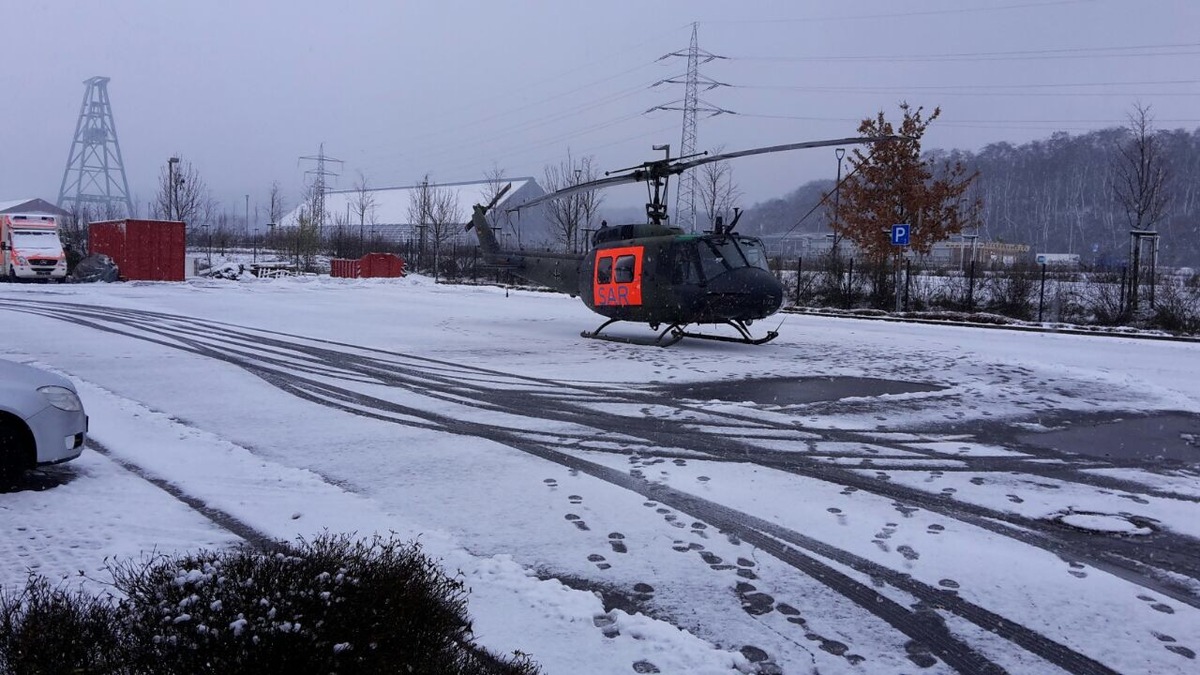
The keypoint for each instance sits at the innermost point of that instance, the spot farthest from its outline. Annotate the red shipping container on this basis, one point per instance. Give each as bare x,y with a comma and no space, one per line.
343,268
382,265
144,250
368,266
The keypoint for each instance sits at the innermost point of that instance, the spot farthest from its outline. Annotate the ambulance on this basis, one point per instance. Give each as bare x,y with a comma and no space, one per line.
30,248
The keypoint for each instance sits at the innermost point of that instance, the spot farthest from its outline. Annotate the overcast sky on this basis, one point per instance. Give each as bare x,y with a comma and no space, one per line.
398,89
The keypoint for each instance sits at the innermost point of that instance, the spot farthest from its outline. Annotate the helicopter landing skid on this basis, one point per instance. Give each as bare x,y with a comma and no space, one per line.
676,332
740,326
666,338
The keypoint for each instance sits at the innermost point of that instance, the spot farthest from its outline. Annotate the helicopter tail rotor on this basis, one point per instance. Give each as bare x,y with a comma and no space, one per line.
487,238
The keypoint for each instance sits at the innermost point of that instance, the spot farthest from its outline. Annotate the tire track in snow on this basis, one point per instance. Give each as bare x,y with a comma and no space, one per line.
221,519
763,534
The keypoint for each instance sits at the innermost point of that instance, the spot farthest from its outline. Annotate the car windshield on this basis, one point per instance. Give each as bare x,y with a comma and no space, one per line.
37,241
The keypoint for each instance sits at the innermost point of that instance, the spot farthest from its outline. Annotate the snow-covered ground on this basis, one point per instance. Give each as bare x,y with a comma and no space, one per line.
606,521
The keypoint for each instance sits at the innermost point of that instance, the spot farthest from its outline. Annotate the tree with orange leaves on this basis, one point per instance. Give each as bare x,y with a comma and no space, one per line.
891,184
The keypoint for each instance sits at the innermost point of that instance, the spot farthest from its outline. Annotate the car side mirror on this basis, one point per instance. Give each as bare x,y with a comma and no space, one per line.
3,245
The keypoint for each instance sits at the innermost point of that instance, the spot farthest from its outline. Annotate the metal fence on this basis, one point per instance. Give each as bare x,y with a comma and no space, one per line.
1027,292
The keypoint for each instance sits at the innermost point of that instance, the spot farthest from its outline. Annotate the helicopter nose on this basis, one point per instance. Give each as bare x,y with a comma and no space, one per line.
744,294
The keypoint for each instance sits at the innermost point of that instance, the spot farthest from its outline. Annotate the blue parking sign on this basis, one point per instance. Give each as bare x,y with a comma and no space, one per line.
900,234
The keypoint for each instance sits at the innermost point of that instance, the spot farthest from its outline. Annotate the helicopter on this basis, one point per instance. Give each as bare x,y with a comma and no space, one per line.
653,272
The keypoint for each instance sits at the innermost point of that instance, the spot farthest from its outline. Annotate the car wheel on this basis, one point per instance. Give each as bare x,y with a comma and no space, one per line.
16,446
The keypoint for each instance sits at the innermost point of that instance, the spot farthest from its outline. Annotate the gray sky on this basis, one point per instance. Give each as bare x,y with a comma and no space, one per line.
451,88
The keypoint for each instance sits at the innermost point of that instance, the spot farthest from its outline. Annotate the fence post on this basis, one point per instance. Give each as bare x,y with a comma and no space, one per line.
1042,294
907,279
971,288
799,272
850,284
1122,302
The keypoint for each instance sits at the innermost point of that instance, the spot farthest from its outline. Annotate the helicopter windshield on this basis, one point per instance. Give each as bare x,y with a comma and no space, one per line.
719,255
755,252
714,256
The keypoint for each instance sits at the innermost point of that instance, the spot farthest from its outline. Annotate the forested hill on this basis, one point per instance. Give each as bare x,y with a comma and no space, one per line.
1054,194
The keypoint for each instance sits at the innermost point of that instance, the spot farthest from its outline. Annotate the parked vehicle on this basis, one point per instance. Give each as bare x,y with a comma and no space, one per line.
30,247
42,420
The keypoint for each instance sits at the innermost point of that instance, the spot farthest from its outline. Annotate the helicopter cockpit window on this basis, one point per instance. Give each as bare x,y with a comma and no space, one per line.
754,251
712,263
624,273
604,270
683,269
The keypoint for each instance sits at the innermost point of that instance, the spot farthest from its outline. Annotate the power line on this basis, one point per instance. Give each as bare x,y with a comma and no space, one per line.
988,94
902,15
490,103
939,87
1020,55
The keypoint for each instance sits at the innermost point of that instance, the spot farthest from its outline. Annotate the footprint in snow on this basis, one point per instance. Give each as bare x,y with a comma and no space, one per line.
599,560
577,521
616,541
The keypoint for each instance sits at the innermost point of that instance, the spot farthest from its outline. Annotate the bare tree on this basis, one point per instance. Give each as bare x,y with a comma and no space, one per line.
275,203
717,191
420,205
589,200
570,214
445,222
362,203
181,193
1140,173
1139,184
434,211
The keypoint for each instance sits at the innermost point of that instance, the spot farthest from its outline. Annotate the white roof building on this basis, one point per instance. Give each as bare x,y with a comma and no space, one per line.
32,205
389,219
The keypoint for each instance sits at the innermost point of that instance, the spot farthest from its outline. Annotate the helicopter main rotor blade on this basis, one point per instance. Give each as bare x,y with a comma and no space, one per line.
663,168
856,140
583,187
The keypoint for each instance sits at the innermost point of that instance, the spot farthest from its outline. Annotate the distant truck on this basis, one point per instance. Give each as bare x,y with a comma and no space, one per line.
30,248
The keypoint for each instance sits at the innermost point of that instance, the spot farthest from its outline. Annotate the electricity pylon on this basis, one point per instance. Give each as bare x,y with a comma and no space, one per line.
95,173
691,105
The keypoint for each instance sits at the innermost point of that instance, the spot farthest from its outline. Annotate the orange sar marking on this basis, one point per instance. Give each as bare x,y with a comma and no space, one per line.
617,280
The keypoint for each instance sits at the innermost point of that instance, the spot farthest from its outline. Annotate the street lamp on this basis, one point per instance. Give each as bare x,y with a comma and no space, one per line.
171,162
246,222
963,254
837,198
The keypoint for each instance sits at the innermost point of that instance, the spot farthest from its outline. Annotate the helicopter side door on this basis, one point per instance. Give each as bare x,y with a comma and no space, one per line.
617,280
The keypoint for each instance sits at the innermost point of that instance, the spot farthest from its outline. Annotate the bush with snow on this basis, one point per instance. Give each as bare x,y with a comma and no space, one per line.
330,605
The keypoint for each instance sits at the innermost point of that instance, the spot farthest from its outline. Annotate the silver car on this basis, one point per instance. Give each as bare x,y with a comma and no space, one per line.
41,418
